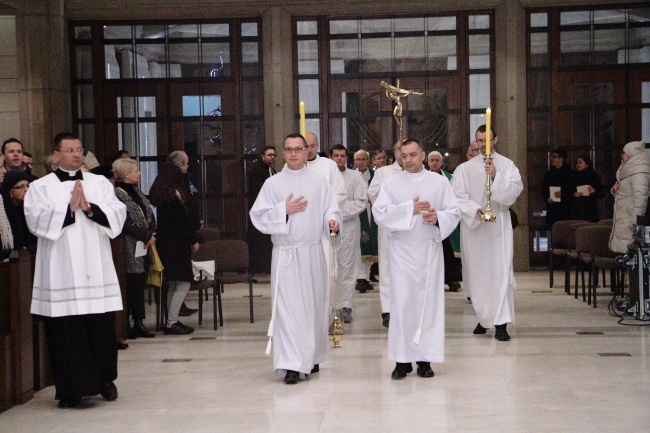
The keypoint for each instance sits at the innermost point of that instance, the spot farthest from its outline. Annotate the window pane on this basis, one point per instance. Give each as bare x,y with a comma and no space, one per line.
441,23
86,133
479,51
639,43
639,15
308,93
250,59
184,60
252,103
150,31
82,32
183,30
308,57
575,18
575,48
609,46
479,22
539,20
307,27
479,91
609,17
216,59
376,26
344,26
539,132
409,24
409,54
84,66
117,32
150,61
538,89
84,100
645,113
442,53
344,56
215,30
249,29
376,55
118,61
539,49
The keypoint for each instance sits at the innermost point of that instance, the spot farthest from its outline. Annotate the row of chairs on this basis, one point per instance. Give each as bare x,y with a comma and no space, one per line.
585,245
230,259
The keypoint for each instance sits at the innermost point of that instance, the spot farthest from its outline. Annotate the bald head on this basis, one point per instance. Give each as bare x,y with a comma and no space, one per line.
312,145
361,160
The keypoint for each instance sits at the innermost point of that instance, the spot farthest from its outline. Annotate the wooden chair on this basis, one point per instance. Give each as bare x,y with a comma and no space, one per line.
559,247
584,257
572,254
609,222
604,259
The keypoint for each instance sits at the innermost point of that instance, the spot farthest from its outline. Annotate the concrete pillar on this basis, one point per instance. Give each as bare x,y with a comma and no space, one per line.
278,78
510,113
43,76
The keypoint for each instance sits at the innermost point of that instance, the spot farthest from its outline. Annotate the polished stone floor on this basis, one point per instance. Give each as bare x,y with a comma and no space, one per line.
568,368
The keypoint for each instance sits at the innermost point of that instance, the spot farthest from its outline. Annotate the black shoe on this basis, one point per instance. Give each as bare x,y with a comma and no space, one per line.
401,370
130,334
454,286
139,330
186,311
316,369
122,346
178,329
479,330
291,378
385,319
65,403
109,391
501,334
424,369
361,287
374,271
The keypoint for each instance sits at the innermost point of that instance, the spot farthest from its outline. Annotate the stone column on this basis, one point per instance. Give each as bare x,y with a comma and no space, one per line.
278,78
510,113
43,76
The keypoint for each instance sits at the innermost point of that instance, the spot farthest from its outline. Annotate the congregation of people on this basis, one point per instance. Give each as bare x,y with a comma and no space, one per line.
325,227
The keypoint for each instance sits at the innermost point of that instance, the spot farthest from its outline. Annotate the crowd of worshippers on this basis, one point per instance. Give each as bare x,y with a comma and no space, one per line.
322,230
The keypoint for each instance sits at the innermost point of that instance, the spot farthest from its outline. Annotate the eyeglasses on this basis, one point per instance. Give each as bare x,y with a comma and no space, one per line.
293,149
72,151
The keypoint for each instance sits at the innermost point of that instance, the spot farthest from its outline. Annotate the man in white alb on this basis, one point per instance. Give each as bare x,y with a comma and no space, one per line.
419,210
297,207
486,248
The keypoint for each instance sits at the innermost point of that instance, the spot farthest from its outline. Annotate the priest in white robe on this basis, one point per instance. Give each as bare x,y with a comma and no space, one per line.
349,254
487,247
381,174
297,207
74,215
419,210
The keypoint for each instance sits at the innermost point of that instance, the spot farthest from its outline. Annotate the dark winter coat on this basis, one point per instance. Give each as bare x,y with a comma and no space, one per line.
586,207
558,211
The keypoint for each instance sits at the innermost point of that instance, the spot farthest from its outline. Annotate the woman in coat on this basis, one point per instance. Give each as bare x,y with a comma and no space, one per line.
631,194
6,237
15,186
585,206
139,227
176,235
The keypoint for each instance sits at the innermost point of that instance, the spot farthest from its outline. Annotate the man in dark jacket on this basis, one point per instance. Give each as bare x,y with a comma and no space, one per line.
260,244
555,188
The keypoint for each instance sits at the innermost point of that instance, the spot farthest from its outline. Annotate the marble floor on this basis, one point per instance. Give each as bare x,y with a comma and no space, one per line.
568,368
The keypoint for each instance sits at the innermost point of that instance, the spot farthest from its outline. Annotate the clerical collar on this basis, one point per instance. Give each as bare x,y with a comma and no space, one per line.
64,175
341,169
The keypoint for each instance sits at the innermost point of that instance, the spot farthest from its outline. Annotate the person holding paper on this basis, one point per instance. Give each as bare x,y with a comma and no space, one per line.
140,233
419,209
555,188
586,189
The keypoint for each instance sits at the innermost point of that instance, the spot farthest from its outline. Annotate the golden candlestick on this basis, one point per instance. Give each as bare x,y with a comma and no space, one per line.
395,93
336,332
488,216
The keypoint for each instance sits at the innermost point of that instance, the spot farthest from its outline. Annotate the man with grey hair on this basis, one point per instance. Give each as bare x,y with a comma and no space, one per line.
368,238
51,163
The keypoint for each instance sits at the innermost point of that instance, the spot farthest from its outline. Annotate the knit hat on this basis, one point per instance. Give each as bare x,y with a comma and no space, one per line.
633,148
12,178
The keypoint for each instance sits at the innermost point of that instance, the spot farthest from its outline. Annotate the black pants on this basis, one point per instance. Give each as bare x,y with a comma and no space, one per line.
83,353
135,285
453,268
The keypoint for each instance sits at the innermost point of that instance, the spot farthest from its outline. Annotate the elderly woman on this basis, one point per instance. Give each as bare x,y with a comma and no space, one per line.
140,231
631,194
15,186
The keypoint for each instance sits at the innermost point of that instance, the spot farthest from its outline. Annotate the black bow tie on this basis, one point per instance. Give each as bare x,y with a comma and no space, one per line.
64,175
